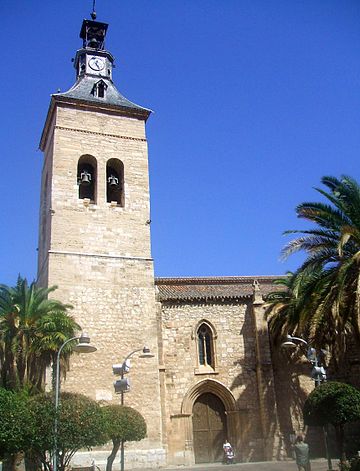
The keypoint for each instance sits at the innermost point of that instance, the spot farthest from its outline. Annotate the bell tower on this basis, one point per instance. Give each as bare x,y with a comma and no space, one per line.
94,237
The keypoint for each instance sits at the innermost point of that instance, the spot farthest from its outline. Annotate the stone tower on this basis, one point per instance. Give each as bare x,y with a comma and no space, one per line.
94,239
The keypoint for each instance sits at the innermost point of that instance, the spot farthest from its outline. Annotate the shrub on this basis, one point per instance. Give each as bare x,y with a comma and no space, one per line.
333,403
122,424
80,425
14,422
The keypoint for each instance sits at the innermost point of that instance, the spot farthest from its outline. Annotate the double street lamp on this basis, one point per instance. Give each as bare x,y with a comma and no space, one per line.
318,373
83,346
315,357
122,385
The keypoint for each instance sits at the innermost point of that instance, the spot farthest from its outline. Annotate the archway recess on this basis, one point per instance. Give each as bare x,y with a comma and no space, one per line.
209,428
216,402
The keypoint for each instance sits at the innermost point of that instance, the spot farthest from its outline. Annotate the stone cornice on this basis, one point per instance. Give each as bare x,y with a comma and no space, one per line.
98,255
97,133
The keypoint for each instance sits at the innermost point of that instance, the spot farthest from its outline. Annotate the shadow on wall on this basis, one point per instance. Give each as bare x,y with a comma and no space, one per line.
255,393
270,397
291,395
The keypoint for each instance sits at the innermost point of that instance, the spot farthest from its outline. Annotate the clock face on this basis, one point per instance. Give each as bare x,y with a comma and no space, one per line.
96,63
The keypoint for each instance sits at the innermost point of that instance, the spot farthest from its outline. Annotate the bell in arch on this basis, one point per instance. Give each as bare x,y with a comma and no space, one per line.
85,178
93,43
113,181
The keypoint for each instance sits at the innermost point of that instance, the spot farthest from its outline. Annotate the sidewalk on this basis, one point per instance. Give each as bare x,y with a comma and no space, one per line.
316,465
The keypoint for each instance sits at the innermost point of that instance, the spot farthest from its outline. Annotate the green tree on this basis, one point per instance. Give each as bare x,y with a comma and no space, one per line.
336,404
324,301
80,425
32,329
14,423
122,424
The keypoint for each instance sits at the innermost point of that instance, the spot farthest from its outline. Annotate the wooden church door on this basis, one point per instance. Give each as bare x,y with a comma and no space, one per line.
209,428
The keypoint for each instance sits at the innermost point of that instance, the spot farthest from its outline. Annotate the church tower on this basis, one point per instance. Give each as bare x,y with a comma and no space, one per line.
94,240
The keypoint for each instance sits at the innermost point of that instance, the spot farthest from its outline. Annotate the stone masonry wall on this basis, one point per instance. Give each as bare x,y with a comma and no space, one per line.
119,319
99,257
235,369
100,227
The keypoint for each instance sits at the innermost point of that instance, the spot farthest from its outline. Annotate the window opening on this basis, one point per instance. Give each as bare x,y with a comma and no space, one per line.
99,89
205,344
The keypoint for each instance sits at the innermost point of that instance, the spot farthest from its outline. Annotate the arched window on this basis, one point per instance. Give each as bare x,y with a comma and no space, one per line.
205,345
86,177
115,182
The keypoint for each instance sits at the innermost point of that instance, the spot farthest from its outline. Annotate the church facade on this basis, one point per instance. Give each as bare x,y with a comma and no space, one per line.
213,375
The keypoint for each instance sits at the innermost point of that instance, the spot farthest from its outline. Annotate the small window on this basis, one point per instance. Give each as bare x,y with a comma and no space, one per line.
115,182
99,89
86,177
205,346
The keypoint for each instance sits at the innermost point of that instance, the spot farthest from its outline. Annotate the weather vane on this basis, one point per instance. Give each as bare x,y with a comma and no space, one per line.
93,13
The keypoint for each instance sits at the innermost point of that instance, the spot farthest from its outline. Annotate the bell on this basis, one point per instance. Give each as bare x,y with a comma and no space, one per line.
93,43
113,181
85,178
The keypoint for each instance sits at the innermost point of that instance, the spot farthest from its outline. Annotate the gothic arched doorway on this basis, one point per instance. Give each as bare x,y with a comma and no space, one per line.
209,428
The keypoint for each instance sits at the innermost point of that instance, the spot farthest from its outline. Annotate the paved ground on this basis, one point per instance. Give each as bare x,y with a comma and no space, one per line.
316,465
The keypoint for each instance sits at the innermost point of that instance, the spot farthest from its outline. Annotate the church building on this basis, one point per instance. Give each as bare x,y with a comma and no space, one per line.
213,375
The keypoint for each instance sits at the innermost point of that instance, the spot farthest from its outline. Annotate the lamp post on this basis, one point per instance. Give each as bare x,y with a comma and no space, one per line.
318,373
83,346
121,387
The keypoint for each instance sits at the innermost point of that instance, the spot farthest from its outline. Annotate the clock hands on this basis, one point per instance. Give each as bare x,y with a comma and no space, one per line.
96,63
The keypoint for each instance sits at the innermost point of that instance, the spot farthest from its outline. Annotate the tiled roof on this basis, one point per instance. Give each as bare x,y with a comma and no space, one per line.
212,288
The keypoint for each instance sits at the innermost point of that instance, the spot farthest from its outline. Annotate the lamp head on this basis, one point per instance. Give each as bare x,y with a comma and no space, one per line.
84,345
288,344
146,353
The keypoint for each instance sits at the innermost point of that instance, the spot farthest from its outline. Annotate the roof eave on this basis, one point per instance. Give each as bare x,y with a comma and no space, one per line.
206,299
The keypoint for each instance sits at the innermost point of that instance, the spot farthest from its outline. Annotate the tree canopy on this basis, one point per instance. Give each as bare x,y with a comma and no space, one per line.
321,299
333,403
32,329
14,422
80,425
122,423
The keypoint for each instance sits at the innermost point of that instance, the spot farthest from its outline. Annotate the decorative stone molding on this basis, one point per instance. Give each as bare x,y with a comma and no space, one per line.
96,133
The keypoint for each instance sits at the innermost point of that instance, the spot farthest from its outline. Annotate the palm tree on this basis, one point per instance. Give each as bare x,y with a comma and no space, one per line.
32,329
324,293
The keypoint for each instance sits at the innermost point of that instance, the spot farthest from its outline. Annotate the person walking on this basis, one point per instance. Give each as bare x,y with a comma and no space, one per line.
302,454
229,452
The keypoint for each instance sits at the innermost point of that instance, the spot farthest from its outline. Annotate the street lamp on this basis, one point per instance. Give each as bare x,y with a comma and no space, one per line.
122,385
83,346
315,357
318,373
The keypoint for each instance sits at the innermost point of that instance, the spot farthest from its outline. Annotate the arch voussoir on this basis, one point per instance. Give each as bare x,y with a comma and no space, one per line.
208,386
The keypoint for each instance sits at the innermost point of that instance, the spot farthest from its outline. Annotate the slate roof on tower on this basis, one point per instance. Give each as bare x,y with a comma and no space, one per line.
83,90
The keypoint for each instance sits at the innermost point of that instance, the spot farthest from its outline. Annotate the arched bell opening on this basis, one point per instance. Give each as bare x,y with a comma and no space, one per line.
115,182
87,177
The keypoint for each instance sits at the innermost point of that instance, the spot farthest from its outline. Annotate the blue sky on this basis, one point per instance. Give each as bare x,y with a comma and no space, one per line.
254,100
